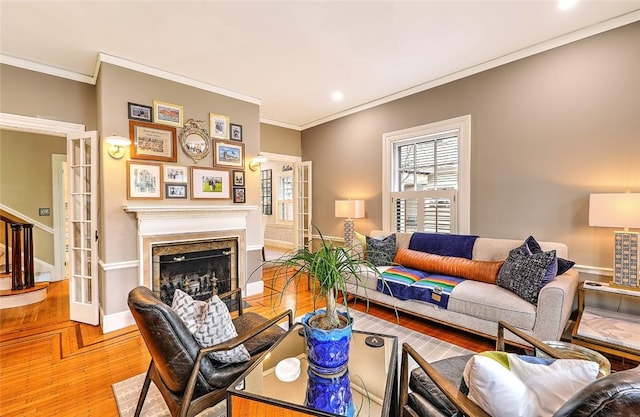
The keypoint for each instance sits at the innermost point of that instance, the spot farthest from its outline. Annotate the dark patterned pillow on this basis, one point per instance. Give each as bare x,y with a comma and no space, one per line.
211,324
522,272
380,252
563,264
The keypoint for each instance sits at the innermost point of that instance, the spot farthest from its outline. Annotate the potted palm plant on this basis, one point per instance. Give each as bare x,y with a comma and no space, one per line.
328,267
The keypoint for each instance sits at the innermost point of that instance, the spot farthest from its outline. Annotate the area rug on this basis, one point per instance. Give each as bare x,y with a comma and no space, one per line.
432,349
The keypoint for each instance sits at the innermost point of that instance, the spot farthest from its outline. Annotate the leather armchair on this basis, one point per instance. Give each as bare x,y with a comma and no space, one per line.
187,378
435,392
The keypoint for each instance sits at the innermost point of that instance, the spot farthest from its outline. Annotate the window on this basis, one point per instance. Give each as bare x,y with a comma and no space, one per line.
265,191
426,178
285,197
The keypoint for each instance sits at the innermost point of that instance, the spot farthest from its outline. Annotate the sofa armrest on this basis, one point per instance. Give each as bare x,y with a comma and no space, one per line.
555,304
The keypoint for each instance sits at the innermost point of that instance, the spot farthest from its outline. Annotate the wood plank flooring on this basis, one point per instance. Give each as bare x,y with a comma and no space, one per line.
55,367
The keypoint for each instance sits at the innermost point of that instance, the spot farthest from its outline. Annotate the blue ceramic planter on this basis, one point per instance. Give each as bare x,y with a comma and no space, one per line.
330,393
327,350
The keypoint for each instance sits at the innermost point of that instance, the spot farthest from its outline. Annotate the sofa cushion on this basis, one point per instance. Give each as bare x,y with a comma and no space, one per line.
563,264
492,303
381,251
460,246
522,272
449,265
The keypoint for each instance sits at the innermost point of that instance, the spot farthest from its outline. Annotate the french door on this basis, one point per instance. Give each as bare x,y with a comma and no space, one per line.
302,231
82,185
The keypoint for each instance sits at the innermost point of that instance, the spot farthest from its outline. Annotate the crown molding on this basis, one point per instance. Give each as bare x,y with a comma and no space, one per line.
145,69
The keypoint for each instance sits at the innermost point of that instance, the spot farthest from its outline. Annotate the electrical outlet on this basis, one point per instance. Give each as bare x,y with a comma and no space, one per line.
44,211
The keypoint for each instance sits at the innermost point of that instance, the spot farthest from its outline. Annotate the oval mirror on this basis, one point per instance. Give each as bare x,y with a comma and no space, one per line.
194,140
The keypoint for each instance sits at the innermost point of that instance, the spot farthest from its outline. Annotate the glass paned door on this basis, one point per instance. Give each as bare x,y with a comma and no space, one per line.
82,184
302,204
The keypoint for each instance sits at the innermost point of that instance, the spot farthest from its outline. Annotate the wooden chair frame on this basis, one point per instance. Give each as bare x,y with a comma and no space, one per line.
186,406
460,400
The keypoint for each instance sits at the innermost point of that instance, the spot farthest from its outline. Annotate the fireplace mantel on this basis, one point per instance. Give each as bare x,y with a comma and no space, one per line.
154,220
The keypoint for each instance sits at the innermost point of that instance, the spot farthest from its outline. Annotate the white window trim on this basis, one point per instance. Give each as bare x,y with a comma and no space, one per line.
463,125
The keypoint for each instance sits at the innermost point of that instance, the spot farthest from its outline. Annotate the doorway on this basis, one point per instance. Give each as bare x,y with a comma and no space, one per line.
286,202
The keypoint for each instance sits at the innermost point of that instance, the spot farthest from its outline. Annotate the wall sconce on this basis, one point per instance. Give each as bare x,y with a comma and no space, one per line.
116,150
620,210
349,209
256,161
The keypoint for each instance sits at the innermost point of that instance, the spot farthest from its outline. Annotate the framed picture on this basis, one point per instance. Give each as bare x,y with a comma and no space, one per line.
228,154
139,112
236,132
239,195
209,184
167,113
144,180
238,178
176,174
219,126
175,191
153,142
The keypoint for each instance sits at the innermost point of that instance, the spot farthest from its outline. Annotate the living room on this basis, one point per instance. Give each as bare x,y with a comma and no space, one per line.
547,130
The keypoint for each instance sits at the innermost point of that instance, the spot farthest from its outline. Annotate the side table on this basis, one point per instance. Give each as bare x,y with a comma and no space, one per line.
607,331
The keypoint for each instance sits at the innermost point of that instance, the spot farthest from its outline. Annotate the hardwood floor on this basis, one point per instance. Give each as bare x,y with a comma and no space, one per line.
52,366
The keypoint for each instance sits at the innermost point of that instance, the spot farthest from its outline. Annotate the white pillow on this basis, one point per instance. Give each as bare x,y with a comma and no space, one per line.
210,323
508,385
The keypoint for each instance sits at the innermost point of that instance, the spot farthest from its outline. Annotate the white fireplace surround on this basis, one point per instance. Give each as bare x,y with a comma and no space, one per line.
165,224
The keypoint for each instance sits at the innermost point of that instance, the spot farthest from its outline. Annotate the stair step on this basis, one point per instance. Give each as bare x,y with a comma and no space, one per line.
18,298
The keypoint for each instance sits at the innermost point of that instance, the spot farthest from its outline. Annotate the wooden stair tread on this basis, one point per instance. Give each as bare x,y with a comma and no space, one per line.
39,286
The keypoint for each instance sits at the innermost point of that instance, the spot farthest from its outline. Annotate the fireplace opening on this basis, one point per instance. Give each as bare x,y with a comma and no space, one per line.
201,269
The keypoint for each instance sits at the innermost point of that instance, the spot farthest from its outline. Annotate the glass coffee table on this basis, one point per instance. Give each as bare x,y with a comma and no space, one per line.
372,371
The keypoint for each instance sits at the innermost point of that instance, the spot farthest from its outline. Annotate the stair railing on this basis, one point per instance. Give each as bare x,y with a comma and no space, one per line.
22,271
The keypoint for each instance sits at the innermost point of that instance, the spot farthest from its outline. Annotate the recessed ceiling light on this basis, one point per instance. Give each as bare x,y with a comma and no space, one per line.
337,96
566,4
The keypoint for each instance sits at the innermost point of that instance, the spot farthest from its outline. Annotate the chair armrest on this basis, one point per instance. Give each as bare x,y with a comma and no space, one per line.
538,344
230,344
459,400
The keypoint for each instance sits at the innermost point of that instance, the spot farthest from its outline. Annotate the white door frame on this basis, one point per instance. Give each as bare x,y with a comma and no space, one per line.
48,127
278,157
59,215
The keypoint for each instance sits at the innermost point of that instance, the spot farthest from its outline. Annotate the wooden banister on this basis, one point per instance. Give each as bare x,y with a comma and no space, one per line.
22,269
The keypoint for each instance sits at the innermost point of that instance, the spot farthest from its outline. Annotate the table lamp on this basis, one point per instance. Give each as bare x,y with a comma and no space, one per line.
349,210
620,210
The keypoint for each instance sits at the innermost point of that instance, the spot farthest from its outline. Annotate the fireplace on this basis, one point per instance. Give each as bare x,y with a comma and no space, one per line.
181,230
200,268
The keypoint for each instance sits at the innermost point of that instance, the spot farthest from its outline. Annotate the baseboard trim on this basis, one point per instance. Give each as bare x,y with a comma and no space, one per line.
253,288
117,321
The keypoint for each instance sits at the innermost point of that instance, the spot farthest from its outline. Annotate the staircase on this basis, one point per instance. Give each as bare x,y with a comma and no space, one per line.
17,277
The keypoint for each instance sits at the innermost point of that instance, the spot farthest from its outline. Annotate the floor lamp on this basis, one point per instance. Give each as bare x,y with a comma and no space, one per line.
620,210
349,210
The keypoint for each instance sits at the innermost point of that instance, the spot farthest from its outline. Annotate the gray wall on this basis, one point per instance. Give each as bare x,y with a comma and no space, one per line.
29,93
116,86
276,139
26,182
546,131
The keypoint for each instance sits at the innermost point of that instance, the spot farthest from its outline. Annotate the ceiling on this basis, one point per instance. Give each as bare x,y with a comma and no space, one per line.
290,56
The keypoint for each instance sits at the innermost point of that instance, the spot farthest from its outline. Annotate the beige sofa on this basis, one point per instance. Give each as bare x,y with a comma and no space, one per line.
478,307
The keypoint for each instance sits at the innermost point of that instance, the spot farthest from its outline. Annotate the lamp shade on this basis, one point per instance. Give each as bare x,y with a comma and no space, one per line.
614,210
350,209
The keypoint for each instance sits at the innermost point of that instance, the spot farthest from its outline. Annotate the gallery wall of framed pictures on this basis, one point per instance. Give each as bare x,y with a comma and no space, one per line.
153,172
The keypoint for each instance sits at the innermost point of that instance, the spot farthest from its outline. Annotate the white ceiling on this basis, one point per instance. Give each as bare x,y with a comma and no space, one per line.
292,55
